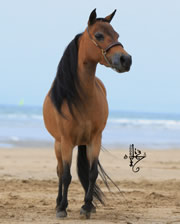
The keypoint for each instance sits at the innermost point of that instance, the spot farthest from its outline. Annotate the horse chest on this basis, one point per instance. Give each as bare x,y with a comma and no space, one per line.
85,132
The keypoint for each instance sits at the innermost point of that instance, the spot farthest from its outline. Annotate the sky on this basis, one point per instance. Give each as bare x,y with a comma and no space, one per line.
34,34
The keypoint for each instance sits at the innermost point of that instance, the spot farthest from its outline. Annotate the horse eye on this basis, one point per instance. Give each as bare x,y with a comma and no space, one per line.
99,36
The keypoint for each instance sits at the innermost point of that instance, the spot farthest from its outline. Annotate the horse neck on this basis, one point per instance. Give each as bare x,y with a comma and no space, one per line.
86,70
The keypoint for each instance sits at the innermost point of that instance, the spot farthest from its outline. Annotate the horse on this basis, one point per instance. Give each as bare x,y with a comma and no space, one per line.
75,109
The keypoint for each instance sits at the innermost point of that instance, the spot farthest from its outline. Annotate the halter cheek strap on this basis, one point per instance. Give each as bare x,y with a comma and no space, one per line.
104,51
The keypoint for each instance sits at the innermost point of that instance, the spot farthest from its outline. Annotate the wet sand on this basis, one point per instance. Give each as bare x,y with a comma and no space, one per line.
28,188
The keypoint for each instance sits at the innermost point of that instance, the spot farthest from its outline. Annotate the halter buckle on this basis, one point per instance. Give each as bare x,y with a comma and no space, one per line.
103,52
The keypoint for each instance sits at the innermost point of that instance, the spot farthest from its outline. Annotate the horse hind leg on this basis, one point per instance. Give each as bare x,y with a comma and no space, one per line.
92,189
83,169
63,171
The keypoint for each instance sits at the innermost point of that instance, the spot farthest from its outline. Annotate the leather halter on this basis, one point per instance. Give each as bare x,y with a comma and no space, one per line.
104,51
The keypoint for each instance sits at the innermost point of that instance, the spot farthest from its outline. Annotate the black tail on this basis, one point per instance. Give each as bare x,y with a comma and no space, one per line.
83,173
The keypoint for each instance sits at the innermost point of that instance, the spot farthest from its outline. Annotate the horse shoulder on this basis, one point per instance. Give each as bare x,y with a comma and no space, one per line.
101,85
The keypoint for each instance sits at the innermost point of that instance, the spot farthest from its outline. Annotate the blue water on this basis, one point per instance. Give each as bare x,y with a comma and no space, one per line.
23,126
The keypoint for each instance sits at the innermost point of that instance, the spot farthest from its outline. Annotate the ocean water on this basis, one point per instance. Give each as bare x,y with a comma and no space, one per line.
23,126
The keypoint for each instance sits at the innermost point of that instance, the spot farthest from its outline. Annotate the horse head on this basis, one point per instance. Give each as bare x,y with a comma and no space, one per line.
104,47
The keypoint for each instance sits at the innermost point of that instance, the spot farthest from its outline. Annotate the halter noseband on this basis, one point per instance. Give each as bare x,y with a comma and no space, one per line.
104,51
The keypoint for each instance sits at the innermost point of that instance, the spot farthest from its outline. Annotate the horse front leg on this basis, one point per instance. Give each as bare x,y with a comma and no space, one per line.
64,157
57,147
92,154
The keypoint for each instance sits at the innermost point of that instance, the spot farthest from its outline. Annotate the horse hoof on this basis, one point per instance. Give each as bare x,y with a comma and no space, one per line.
85,214
61,214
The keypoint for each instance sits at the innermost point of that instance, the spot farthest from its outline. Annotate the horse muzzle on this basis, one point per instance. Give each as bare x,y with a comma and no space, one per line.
121,62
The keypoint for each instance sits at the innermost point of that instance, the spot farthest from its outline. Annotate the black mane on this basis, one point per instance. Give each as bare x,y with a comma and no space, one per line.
65,84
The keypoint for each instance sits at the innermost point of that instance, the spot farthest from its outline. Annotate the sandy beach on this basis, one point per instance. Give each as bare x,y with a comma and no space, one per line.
28,188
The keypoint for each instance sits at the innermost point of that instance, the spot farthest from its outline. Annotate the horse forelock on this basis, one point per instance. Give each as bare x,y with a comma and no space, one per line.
65,85
100,19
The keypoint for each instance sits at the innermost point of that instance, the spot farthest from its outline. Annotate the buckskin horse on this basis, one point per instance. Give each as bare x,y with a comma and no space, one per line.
75,109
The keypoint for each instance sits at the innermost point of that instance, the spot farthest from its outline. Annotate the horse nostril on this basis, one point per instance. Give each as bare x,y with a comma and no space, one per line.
122,59
126,61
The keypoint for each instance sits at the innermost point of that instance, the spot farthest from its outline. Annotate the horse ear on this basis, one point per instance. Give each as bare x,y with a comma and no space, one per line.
92,17
109,18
